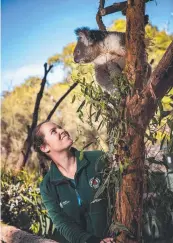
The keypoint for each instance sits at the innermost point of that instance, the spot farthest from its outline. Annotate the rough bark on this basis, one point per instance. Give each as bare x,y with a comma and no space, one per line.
10,234
140,109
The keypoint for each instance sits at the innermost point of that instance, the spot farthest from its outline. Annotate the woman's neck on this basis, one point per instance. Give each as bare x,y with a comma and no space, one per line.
66,163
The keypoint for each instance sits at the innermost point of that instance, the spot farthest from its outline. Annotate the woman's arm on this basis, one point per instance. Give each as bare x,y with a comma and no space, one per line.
65,224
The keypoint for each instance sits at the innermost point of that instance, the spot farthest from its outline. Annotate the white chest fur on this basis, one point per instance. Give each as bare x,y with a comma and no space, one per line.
106,58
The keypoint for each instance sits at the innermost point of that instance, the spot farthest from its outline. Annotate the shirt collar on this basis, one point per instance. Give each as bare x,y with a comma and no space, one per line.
55,175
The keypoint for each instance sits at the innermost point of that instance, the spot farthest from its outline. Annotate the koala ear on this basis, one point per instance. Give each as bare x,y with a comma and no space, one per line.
84,38
84,35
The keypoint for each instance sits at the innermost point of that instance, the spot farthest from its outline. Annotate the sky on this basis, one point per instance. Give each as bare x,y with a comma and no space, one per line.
34,30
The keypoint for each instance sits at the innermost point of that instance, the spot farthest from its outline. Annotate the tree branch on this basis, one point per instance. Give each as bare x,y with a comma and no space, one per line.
61,99
36,109
162,77
28,142
99,16
145,105
116,7
39,96
160,82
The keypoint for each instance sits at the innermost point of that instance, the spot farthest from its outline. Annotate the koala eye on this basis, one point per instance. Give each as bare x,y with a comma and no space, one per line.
78,52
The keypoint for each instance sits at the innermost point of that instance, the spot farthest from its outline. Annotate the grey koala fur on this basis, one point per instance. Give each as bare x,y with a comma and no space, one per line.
106,50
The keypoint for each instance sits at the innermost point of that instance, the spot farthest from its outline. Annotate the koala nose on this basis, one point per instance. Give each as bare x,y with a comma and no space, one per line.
76,60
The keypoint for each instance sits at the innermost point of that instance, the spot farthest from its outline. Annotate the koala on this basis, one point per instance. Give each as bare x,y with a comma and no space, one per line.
106,50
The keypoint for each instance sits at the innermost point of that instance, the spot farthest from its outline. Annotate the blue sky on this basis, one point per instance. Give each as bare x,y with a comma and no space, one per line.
34,30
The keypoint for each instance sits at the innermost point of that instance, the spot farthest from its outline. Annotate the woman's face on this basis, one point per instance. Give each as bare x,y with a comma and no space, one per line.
56,138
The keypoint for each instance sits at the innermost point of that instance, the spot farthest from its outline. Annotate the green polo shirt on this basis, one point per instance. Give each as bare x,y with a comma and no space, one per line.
71,205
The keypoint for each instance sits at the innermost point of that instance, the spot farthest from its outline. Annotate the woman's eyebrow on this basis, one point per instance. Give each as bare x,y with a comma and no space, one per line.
52,129
57,126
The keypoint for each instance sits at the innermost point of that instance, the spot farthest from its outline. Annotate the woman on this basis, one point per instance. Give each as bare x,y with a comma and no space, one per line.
69,187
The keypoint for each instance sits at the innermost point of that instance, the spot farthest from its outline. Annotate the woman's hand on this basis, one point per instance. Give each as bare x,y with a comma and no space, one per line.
107,240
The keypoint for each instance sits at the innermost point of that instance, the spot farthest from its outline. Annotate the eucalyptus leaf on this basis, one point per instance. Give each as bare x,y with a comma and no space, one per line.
73,99
81,106
81,156
97,115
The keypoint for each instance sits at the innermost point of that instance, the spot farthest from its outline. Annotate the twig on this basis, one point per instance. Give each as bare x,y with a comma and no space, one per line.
61,99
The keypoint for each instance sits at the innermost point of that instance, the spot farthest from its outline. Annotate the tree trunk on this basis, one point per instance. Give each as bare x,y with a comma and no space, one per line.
10,234
129,199
140,108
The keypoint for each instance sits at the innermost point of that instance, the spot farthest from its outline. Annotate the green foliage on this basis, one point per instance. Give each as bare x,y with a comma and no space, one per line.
104,108
22,205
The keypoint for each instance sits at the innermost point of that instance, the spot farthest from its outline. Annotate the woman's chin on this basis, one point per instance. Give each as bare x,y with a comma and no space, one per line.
70,141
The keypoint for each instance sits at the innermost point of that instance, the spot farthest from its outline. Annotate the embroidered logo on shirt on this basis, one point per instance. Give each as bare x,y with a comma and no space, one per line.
62,204
94,182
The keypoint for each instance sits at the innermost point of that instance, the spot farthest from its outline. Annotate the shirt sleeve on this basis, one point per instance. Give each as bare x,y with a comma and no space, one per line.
65,224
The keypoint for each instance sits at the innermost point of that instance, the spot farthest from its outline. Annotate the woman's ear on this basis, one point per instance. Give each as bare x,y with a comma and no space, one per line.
44,148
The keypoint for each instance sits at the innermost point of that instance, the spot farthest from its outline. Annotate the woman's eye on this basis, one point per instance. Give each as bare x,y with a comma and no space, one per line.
54,131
